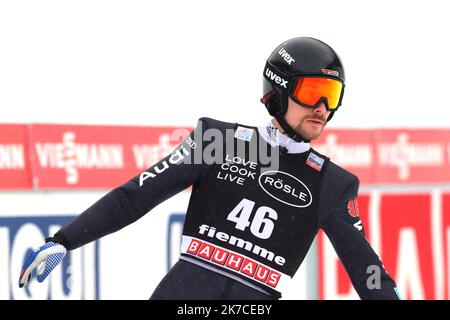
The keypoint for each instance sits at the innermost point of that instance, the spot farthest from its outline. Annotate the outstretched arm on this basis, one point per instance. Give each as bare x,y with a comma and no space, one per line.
132,200
346,233
123,205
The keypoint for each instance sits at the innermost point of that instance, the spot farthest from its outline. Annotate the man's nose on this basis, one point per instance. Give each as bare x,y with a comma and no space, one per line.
321,109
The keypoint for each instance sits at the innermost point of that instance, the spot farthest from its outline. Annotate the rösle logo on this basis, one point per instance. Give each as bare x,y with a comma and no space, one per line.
285,188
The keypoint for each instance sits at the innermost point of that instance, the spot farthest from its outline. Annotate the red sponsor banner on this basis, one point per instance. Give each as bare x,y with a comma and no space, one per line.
407,243
413,156
76,156
390,156
94,157
14,157
411,233
445,238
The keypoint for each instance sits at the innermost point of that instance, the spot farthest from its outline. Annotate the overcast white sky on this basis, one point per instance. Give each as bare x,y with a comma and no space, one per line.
171,62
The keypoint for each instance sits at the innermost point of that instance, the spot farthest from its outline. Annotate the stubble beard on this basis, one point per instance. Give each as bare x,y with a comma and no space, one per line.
307,135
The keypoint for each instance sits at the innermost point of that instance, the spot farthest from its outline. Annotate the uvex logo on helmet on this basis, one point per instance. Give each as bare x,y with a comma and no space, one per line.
285,188
286,56
272,76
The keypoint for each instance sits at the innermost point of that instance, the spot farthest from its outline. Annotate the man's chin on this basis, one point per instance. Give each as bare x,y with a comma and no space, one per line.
309,135
312,137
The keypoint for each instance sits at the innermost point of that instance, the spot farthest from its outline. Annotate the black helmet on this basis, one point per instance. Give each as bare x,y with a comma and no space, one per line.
297,57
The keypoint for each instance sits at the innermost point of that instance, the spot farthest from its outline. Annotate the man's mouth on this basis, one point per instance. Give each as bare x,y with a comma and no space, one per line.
316,121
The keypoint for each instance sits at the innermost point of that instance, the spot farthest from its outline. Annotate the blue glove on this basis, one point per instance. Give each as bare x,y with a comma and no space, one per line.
48,256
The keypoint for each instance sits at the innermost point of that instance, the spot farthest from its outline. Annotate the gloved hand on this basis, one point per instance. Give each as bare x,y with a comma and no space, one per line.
48,256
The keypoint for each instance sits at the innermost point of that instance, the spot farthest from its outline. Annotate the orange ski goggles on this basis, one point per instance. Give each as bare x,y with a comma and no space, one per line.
311,91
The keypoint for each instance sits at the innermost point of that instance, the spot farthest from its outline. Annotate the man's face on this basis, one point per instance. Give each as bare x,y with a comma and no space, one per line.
307,122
